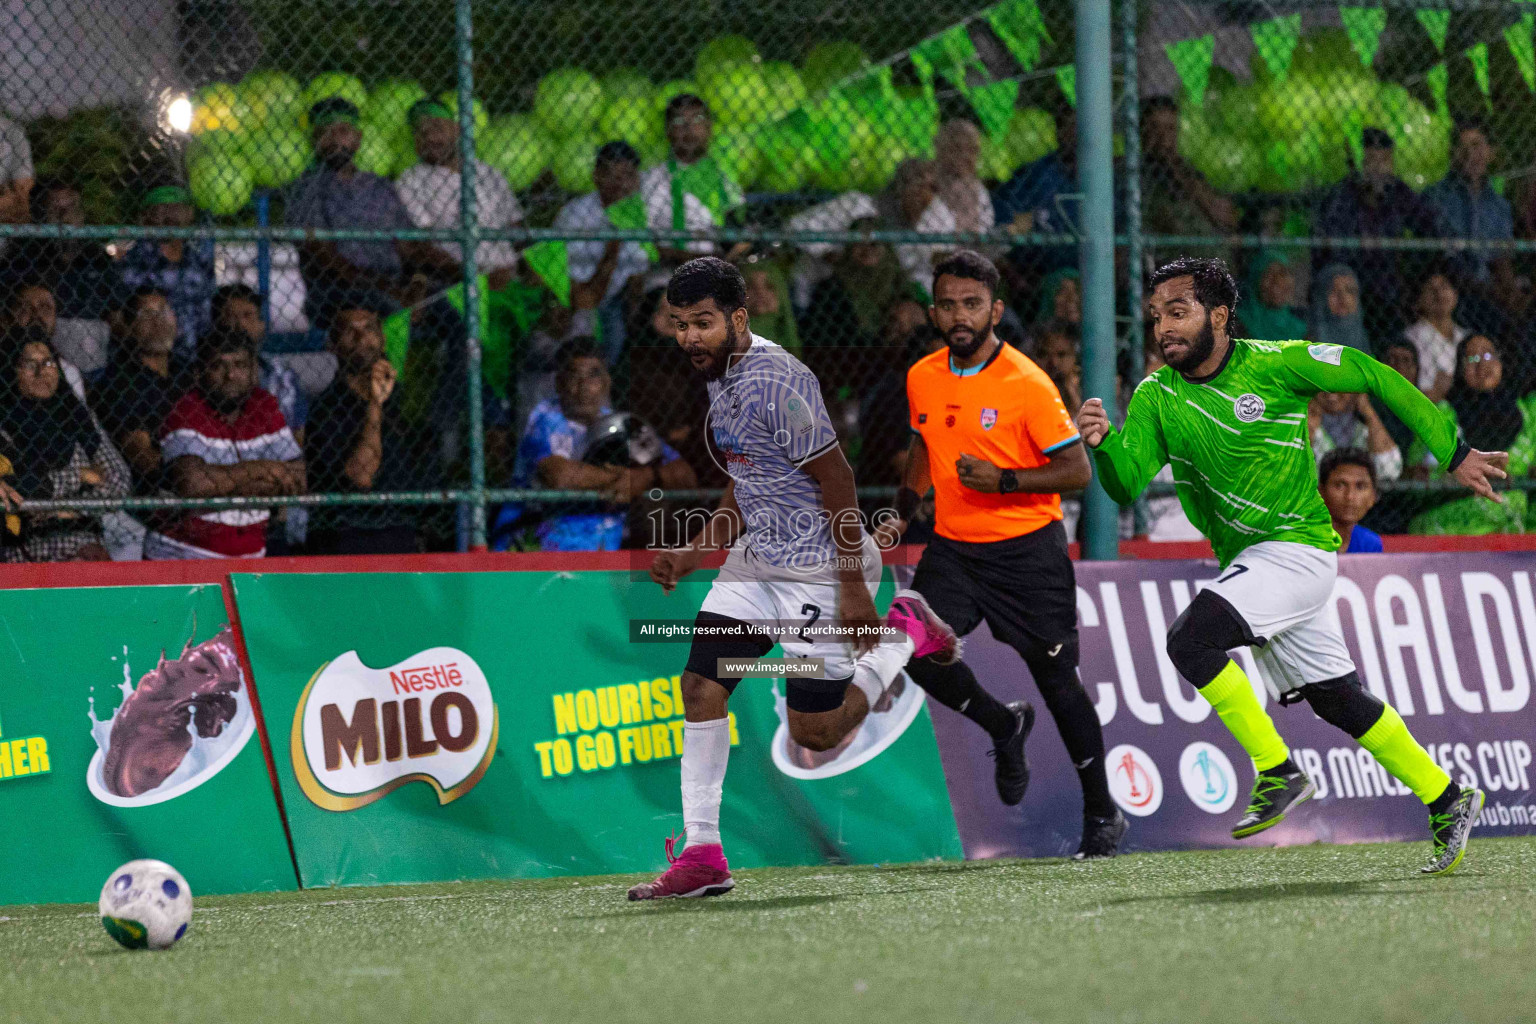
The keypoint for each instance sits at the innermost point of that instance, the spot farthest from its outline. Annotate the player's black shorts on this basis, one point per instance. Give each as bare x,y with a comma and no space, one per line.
1023,587
737,641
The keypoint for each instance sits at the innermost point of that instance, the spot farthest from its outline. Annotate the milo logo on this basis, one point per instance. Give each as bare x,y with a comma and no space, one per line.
360,733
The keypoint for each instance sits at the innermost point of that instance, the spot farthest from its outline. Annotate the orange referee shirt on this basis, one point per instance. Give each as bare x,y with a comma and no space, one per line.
1007,412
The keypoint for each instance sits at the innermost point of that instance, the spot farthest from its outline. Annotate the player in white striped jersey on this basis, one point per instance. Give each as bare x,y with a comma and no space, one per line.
799,561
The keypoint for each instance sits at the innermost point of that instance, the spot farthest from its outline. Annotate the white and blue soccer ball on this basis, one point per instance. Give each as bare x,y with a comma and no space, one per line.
146,904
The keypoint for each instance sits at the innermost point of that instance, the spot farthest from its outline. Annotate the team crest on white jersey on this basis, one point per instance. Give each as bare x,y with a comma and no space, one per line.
1248,408
1326,353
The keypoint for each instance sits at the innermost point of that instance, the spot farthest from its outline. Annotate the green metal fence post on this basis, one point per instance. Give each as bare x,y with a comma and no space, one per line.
1096,247
1130,102
469,233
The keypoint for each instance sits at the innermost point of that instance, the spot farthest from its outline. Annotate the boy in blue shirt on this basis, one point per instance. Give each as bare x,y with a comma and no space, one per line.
1347,479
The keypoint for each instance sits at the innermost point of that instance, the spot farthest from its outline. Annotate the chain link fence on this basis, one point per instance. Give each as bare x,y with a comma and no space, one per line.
239,291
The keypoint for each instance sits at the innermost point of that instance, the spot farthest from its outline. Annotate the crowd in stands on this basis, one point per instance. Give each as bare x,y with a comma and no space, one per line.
137,369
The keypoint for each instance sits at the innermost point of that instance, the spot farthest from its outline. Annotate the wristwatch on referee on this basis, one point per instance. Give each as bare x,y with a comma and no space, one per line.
1007,482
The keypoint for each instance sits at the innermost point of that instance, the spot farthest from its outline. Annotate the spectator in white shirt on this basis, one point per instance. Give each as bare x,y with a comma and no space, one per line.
16,175
957,148
910,203
430,190
1436,334
689,172
600,270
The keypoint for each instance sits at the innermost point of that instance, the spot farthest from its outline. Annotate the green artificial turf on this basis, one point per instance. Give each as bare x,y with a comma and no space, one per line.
1319,933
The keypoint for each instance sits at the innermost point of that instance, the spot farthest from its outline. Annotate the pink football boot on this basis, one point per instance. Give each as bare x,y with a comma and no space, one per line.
931,635
698,871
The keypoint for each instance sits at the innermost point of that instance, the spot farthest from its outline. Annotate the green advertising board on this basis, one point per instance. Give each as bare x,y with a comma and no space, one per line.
126,731
473,725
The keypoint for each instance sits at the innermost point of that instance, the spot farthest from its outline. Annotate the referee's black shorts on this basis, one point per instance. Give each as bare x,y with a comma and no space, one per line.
1023,587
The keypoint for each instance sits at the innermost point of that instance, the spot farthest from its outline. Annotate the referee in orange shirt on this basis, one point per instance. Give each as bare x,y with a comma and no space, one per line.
994,440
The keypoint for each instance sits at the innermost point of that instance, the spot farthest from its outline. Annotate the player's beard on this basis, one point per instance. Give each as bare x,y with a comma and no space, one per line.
1198,352
720,361
970,348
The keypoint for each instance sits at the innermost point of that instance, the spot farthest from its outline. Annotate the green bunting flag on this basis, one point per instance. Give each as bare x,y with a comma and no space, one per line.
629,214
1364,26
548,261
1518,38
496,330
993,104
1192,60
1478,55
951,54
1021,28
1436,78
1066,78
1276,41
1435,23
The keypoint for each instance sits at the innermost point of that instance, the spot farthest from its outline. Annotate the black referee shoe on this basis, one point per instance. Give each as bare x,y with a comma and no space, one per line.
1101,836
1012,765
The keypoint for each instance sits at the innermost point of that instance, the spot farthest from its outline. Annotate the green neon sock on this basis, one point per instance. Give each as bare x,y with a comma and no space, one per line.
1231,695
1399,753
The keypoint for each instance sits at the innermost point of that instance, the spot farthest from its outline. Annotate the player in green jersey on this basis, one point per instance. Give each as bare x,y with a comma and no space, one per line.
1230,415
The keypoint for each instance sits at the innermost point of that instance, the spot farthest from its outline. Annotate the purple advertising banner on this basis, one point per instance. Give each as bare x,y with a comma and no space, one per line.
1449,640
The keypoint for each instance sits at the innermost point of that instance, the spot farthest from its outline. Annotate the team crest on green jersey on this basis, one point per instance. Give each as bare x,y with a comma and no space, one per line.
1248,408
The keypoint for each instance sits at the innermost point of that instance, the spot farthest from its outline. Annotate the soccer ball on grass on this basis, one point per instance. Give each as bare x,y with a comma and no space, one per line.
146,904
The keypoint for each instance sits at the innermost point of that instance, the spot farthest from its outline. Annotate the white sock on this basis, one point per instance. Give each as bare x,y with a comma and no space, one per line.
873,672
706,749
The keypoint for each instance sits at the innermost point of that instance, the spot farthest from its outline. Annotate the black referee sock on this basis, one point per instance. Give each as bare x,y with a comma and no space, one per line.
1078,722
955,687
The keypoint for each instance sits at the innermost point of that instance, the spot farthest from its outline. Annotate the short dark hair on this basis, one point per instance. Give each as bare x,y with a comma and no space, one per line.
968,264
708,277
685,101
1471,123
1152,104
225,294
1214,283
133,302
222,339
618,152
1346,457
582,346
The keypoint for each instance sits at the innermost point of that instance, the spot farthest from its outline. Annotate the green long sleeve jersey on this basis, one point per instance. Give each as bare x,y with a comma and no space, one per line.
1239,444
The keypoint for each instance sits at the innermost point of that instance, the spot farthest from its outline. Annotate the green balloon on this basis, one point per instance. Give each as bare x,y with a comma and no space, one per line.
827,64
788,158
278,155
786,92
1237,113
379,153
514,145
633,119
1325,52
571,162
737,94
874,164
1232,165
391,100
324,86
450,100
219,107
724,50
1031,135
627,83
1422,150
736,153
220,183
568,103
272,96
